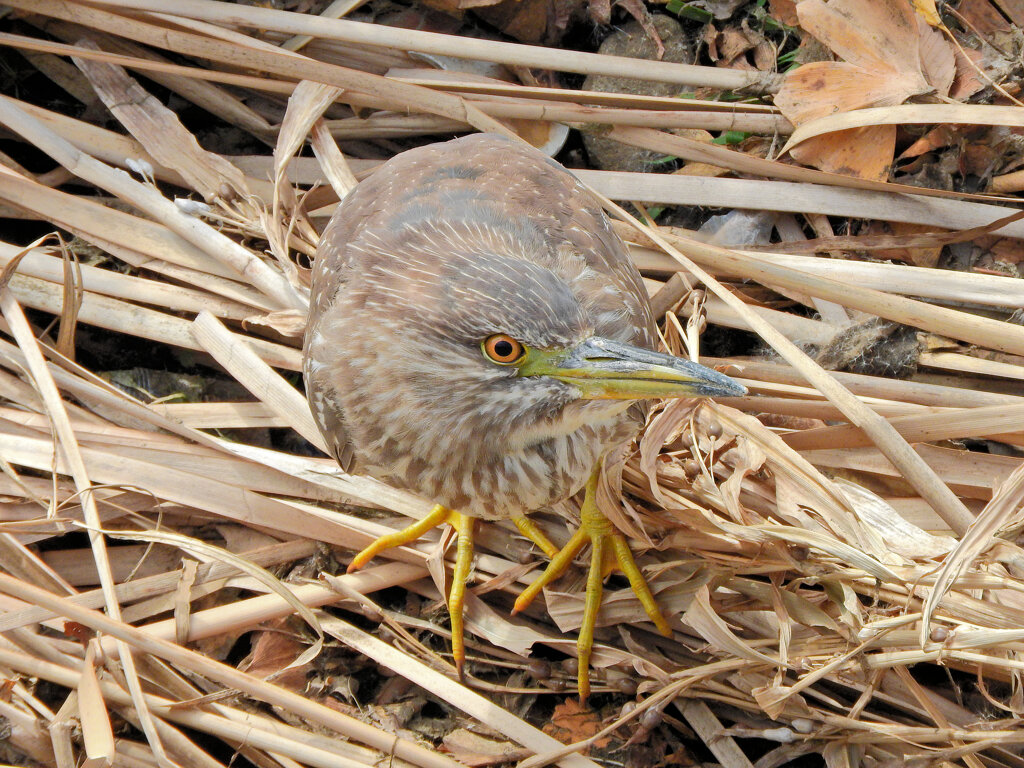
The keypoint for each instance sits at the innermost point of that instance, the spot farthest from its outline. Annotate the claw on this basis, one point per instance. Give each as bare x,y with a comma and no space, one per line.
463,525
609,551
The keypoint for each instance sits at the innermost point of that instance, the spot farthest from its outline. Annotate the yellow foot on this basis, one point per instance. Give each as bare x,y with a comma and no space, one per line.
609,552
530,530
463,525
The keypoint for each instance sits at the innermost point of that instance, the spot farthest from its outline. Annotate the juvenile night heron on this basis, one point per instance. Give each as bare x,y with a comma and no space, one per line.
478,335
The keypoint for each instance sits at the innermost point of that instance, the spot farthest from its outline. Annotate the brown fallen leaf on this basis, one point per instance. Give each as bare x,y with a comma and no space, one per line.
272,651
888,55
572,722
866,153
967,81
936,138
925,256
475,750
783,11
983,17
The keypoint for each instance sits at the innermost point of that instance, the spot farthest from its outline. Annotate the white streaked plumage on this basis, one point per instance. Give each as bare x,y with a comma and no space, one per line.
441,248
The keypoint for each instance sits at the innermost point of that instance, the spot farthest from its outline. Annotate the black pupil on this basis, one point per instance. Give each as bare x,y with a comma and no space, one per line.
503,348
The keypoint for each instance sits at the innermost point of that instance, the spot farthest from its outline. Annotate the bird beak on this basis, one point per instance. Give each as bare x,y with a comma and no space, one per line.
603,369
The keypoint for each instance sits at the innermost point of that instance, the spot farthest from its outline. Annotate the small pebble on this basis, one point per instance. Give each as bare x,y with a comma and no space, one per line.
650,719
624,684
539,669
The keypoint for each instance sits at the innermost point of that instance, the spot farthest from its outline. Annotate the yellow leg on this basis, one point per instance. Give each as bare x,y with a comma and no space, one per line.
609,552
558,565
530,530
436,517
463,525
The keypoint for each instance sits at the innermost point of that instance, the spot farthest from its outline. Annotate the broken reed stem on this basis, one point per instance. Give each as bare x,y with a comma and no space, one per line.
118,183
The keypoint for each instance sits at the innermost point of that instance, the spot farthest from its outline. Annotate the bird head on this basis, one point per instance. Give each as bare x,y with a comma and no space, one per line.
503,349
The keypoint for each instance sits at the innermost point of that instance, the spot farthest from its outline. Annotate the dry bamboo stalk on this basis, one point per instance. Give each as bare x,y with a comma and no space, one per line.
974,475
166,482
322,472
228,415
815,409
391,125
952,361
794,327
120,316
96,223
255,375
365,582
110,229
335,10
230,677
375,90
792,197
454,81
870,386
141,59
113,148
995,422
46,266
651,119
460,47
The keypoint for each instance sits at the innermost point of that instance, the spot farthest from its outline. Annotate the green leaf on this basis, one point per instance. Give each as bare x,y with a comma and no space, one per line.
689,11
730,137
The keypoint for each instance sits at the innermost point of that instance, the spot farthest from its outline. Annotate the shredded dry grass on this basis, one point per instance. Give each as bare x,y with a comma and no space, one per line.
810,570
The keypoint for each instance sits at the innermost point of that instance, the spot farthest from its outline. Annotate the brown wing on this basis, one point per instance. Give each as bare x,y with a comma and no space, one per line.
526,183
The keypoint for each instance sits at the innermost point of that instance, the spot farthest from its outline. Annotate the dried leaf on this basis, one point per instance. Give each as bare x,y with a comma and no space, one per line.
572,722
707,622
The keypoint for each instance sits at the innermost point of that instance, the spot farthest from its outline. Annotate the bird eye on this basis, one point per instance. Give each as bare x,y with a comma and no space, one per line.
503,349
